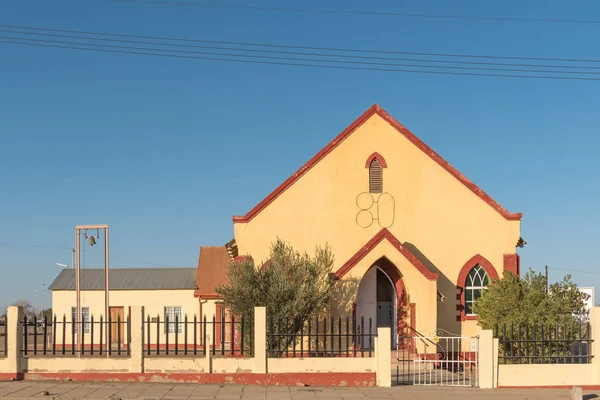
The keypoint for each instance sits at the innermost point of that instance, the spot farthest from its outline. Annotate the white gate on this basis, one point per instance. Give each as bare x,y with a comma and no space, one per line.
441,361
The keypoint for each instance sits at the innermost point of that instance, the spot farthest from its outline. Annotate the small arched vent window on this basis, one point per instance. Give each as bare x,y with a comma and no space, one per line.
375,177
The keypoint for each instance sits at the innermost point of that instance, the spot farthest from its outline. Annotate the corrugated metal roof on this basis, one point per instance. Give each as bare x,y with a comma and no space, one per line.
128,279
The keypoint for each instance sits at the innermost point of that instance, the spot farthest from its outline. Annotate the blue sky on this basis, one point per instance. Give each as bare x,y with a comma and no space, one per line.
166,150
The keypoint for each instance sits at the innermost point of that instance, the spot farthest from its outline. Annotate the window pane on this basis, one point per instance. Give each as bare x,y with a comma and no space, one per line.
486,280
179,316
469,308
469,295
476,294
73,318
477,278
174,314
85,315
85,318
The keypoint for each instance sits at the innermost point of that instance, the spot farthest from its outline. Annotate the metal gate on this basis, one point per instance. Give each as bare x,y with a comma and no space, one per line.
442,361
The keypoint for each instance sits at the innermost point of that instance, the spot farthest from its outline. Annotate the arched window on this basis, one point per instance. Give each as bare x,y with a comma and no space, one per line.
477,281
375,177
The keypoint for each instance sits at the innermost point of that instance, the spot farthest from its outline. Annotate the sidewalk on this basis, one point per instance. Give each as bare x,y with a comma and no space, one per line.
115,391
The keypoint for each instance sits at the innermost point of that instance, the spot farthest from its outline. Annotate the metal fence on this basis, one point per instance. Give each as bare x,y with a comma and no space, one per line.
45,337
231,336
320,337
442,361
544,343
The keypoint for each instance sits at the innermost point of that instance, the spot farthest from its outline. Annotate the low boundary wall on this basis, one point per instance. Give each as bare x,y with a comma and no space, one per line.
549,375
256,370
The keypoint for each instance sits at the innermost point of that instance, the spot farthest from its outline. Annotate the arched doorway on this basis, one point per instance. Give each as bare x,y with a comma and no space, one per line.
379,298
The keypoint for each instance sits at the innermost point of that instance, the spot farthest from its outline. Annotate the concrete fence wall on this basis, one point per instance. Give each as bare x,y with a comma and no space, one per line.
135,367
493,374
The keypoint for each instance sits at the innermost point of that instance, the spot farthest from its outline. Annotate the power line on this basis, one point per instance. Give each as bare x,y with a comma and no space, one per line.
270,45
70,248
280,58
575,270
297,53
549,77
33,245
362,13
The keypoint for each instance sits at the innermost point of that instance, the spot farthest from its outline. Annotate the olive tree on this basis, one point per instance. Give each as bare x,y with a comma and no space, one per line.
293,286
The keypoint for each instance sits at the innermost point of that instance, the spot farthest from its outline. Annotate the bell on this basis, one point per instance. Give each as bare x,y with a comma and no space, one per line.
92,241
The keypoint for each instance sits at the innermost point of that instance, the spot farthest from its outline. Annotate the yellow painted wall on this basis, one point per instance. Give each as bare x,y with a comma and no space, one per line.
547,375
4,364
434,213
153,301
72,364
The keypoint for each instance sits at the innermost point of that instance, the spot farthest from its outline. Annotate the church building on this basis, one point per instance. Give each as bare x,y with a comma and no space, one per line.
415,241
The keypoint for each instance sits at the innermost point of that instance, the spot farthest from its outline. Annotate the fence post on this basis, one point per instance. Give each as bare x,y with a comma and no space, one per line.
383,357
14,333
595,336
485,369
260,340
136,360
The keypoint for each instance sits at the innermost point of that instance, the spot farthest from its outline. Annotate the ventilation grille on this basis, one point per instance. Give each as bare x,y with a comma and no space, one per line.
375,177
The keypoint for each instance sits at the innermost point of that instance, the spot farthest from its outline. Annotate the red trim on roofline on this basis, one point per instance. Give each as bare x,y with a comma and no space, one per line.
379,158
375,109
379,237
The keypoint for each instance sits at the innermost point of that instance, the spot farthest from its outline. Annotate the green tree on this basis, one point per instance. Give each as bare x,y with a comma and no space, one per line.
534,324
27,307
525,300
47,313
291,285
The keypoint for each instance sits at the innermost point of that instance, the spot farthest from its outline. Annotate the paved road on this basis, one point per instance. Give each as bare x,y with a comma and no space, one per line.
114,391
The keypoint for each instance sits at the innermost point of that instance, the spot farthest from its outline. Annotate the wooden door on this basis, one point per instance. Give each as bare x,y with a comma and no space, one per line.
117,330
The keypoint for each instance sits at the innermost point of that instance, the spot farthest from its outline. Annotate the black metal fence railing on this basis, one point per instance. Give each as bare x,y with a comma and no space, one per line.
320,337
227,337
544,343
3,339
59,337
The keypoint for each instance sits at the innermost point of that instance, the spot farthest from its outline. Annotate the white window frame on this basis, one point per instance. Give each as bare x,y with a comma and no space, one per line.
85,315
173,311
470,287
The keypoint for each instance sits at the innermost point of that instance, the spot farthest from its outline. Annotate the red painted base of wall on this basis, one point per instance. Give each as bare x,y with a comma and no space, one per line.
10,377
283,379
589,387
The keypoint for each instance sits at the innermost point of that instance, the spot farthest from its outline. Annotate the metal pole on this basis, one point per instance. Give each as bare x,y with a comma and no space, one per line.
546,279
77,287
42,301
72,258
106,302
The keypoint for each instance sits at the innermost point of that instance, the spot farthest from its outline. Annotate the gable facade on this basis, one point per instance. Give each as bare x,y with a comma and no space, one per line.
378,180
